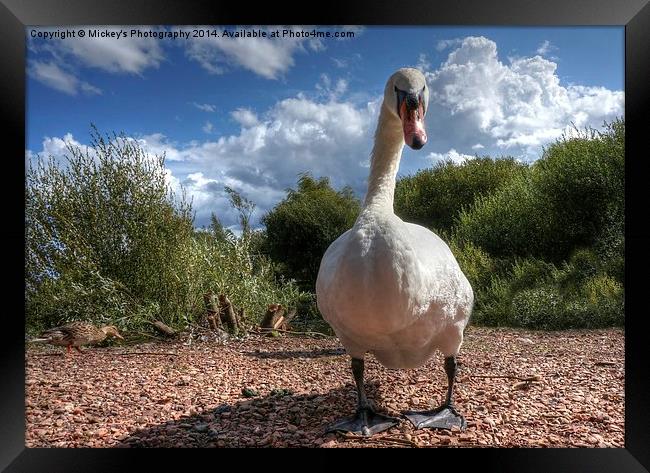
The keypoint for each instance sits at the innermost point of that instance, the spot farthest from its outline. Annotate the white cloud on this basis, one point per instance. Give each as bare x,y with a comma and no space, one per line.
60,59
55,77
130,55
330,90
423,62
245,117
53,147
267,57
451,155
511,108
447,43
340,63
298,134
478,146
316,45
545,48
207,128
206,107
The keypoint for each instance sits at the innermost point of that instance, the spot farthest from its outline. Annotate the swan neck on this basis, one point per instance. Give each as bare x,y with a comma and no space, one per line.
384,162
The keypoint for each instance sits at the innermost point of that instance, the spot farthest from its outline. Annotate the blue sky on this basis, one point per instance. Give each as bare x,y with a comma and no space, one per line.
253,113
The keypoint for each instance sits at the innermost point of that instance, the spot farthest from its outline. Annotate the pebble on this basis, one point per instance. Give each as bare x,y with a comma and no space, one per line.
126,414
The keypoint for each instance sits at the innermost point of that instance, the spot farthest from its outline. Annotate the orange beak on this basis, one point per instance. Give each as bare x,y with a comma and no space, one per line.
412,117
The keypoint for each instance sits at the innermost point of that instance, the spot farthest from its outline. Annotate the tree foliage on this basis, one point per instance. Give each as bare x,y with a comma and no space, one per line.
303,225
108,241
434,197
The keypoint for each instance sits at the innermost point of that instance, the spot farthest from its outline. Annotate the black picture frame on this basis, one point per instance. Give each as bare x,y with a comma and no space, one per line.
15,15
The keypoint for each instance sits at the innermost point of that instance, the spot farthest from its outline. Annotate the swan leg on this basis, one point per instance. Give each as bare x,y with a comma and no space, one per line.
445,416
366,421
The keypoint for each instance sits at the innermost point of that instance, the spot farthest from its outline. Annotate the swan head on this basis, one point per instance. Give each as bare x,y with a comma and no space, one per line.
406,97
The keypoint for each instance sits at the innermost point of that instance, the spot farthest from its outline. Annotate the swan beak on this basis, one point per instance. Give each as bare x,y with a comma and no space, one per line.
411,112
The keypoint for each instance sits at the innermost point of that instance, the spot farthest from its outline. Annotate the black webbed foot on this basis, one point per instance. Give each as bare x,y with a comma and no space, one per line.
444,417
366,422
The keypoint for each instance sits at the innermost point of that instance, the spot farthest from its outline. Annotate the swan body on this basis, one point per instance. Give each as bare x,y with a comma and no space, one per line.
396,291
389,287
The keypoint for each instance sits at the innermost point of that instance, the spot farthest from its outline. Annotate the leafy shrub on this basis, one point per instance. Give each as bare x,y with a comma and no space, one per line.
476,264
301,227
565,201
536,308
108,241
434,197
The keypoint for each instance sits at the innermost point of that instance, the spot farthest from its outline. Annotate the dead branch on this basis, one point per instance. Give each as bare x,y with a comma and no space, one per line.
164,329
214,320
227,314
260,332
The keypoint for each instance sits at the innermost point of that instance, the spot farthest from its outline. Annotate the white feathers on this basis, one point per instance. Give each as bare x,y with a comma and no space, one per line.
390,287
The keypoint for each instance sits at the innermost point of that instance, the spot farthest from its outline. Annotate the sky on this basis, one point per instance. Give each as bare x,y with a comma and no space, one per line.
253,113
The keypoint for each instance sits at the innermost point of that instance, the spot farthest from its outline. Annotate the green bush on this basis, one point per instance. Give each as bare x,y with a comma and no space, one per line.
434,197
565,201
538,295
301,227
537,308
107,241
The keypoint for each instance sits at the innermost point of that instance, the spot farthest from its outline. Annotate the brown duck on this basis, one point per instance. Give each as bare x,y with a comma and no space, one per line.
76,334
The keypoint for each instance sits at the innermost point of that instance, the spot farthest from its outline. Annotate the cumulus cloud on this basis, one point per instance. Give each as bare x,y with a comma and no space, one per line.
59,60
206,107
545,48
55,77
53,147
267,57
512,108
245,117
132,55
447,43
330,89
296,135
477,103
451,155
208,127
423,62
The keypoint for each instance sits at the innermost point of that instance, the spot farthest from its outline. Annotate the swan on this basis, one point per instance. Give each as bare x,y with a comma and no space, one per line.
391,288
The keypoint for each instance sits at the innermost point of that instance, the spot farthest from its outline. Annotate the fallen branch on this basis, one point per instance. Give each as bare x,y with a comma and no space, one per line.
605,363
164,328
260,332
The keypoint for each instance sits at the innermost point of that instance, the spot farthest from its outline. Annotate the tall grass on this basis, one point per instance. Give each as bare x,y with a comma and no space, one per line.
108,241
547,249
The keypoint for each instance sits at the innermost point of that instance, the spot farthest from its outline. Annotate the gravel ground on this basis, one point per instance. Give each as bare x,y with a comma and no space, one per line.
175,395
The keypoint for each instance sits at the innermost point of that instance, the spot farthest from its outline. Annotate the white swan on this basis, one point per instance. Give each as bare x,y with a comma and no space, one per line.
391,288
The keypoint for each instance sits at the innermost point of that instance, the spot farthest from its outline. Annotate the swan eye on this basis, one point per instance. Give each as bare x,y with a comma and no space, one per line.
401,95
422,101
